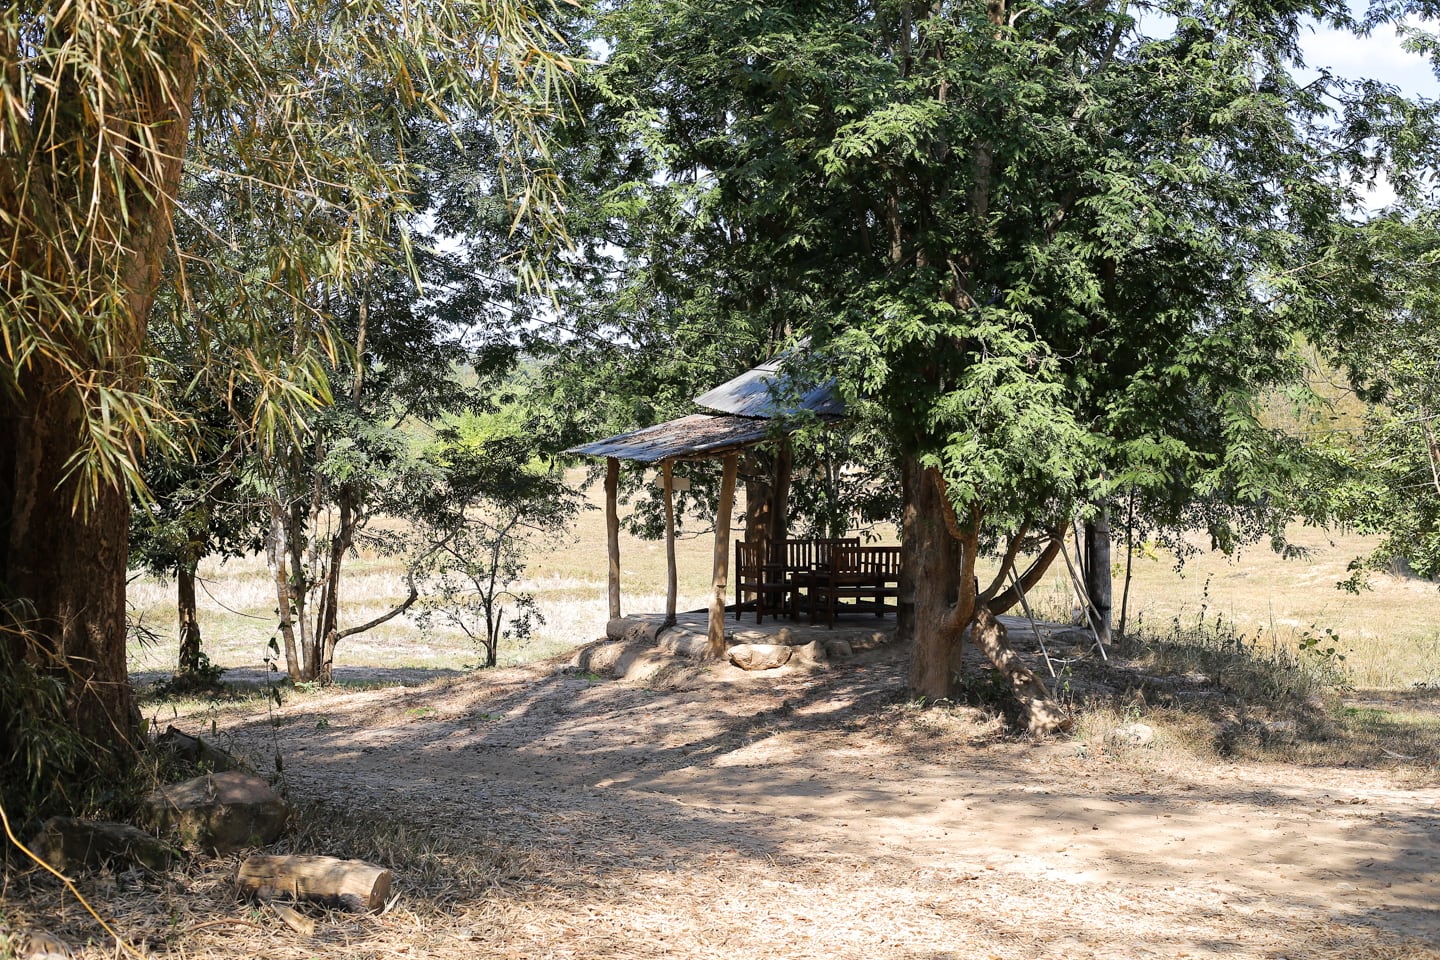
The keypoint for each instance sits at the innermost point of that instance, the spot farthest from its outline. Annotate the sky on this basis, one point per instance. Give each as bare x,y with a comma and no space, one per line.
1378,56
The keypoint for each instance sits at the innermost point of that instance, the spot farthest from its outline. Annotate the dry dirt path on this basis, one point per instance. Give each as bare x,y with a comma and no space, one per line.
709,813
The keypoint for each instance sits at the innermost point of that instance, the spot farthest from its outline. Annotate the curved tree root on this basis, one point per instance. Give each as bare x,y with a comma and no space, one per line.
1040,713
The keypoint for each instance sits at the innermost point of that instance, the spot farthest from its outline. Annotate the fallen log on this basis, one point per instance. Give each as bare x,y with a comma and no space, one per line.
354,885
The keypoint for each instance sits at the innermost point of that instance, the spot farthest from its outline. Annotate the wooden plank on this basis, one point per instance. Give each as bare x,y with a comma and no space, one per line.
612,531
672,586
716,634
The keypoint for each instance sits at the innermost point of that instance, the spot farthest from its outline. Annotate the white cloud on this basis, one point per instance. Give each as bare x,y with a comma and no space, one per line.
1377,57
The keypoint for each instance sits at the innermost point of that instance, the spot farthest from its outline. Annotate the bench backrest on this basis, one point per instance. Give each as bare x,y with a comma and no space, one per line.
825,550
882,561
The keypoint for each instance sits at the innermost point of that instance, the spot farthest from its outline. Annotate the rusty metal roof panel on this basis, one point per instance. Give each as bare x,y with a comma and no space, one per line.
771,391
694,436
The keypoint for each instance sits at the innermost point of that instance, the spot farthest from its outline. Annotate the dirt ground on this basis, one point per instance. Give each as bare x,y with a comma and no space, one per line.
699,811
706,812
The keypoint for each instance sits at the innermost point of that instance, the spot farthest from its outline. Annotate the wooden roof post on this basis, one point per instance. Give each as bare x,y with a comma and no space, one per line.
667,476
612,531
722,556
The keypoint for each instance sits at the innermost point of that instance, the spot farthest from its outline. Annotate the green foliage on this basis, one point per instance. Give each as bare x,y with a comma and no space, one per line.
1058,254
46,767
501,507
292,180
1386,477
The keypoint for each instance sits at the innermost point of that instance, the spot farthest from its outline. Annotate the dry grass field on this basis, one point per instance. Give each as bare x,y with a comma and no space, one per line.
1389,635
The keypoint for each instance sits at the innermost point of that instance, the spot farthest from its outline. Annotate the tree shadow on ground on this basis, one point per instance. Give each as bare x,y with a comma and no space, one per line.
578,780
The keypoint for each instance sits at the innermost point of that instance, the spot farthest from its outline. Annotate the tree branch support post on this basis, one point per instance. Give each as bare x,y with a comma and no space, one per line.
612,531
716,632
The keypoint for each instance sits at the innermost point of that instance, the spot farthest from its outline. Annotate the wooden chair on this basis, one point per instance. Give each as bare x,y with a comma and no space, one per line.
866,575
759,582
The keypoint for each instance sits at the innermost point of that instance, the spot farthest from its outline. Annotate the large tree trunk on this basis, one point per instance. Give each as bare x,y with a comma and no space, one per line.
65,570
938,553
87,213
943,590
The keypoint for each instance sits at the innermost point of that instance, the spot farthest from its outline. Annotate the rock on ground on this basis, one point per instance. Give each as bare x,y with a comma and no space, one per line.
760,656
66,843
220,812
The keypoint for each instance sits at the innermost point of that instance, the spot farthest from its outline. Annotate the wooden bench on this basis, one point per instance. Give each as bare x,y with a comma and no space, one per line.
868,576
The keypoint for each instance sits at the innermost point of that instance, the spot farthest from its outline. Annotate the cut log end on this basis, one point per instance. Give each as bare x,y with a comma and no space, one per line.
352,885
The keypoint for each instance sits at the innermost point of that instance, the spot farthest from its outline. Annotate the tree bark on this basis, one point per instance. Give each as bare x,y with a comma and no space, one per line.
276,553
758,497
672,584
780,492
1040,714
188,662
354,885
612,531
1129,560
65,569
65,547
1098,579
1010,596
943,601
327,629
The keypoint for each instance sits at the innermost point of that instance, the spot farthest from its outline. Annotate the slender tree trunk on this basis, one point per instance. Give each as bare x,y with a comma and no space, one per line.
1129,560
276,552
716,630
1098,579
780,492
188,663
1040,714
672,586
758,496
328,628
612,532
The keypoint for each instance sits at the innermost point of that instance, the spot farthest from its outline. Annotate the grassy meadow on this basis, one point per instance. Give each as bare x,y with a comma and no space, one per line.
1389,635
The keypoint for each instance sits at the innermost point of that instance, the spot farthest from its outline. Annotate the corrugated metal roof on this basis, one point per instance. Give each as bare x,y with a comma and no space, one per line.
769,391
695,436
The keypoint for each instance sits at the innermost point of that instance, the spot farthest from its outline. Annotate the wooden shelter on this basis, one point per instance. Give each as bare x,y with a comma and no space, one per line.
746,411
